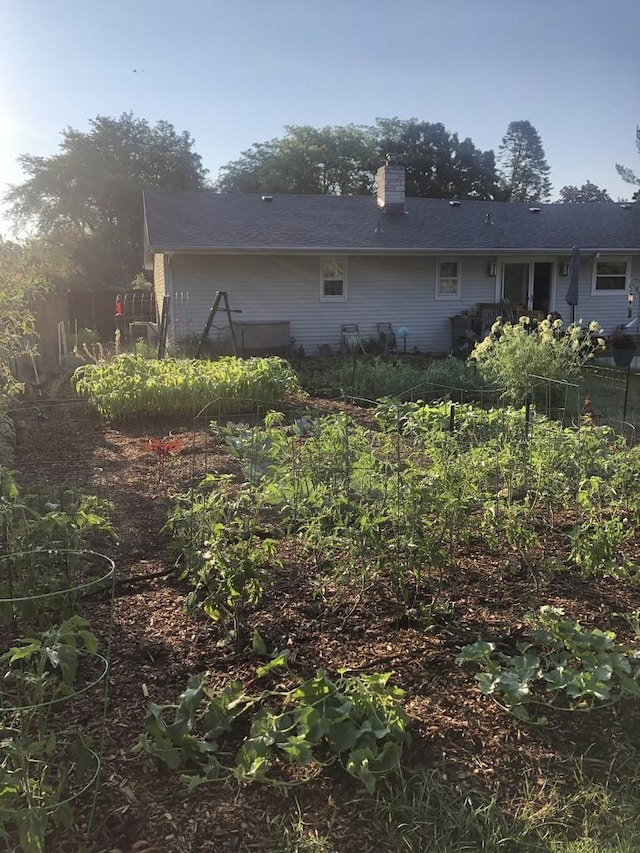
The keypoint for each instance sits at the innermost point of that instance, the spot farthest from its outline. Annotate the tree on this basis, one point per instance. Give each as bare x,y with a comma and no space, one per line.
523,168
438,164
86,201
587,192
328,160
344,160
22,284
627,174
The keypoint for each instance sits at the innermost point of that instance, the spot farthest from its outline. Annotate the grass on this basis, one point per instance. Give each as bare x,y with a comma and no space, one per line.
595,809
605,387
429,812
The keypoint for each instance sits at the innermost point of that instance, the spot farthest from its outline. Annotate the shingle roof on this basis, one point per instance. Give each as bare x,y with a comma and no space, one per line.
244,221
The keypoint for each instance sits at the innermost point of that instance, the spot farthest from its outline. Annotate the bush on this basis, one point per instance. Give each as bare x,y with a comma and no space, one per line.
515,356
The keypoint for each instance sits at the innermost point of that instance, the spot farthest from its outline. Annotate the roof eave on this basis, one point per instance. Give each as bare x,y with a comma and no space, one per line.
359,250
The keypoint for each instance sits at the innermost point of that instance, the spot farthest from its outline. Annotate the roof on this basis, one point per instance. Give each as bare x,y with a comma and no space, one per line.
208,221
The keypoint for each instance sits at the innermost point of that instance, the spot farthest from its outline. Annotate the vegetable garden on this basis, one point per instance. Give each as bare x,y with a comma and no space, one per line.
409,626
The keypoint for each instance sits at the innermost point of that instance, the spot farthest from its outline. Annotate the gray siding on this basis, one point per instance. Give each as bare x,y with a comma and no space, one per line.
396,290
399,290
609,309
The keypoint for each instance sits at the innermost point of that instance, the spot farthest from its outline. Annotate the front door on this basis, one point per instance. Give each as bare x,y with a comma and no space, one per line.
528,284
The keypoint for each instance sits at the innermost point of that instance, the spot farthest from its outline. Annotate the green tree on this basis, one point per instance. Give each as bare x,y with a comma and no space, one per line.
627,174
524,171
328,160
344,160
86,201
587,192
438,164
23,284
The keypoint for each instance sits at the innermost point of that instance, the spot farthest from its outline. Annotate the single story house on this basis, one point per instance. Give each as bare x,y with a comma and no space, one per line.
304,266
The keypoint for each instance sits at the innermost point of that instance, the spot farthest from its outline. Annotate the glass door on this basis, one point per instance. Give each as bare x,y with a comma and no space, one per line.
528,285
515,283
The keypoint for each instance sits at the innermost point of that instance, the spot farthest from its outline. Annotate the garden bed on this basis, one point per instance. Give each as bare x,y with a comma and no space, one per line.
470,768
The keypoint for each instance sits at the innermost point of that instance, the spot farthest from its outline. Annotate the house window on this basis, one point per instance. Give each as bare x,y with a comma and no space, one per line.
448,280
333,279
610,275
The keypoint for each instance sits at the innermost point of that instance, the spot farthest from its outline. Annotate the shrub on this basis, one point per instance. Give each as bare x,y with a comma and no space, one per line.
519,357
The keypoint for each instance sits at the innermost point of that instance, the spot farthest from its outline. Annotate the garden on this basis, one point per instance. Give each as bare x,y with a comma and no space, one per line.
359,604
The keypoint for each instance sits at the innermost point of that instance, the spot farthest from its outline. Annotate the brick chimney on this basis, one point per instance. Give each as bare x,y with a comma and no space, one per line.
390,181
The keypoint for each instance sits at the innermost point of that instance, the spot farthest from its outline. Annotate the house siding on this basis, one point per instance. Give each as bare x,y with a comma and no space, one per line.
380,289
608,309
397,290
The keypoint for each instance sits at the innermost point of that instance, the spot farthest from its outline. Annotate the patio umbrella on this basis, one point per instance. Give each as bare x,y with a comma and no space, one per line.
571,297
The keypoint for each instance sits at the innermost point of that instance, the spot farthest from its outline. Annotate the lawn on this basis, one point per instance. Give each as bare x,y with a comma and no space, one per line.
336,566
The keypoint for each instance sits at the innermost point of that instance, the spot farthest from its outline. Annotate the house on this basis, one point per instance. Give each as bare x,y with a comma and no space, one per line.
303,266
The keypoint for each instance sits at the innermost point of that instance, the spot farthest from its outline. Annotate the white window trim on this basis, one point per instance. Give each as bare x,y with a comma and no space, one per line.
448,297
343,296
627,275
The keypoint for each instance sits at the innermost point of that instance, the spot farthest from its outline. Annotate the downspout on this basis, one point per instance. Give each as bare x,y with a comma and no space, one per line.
169,291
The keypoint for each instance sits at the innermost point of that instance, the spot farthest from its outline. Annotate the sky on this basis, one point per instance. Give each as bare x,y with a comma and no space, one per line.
235,72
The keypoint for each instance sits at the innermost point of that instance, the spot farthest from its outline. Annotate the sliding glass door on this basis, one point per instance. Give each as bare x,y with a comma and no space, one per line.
528,284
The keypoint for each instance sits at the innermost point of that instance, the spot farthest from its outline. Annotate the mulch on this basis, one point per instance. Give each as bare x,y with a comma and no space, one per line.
157,645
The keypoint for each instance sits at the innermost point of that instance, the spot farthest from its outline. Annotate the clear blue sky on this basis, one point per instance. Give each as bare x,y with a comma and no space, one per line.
234,72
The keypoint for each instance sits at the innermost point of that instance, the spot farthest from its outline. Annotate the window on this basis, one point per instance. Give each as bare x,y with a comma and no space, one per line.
333,279
610,275
448,280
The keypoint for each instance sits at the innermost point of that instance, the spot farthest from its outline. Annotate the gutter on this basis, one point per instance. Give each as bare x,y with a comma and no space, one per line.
346,250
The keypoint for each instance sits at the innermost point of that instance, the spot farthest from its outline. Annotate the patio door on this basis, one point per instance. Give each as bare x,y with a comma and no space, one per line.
528,284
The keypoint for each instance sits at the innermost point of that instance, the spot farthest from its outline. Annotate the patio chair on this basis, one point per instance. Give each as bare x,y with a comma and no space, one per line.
350,337
386,337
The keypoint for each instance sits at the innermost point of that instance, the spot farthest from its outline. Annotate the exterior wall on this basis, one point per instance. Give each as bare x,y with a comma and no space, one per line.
380,289
396,290
609,309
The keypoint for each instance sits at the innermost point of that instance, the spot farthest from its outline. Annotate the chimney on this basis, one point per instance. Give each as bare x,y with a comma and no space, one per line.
390,181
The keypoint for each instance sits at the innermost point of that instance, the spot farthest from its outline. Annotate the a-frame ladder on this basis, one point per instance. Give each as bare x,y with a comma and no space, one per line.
221,296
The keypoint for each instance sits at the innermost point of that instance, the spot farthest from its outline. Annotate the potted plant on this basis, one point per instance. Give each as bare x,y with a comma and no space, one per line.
623,347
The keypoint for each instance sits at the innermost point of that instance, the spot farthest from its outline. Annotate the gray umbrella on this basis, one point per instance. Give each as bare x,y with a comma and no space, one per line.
574,280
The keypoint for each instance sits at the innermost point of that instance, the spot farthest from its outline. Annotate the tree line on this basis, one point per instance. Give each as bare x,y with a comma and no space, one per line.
84,203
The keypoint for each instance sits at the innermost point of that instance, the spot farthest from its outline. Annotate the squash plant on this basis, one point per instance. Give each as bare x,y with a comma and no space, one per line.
564,666
357,720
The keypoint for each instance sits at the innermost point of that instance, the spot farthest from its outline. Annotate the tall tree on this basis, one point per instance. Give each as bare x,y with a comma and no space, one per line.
86,201
344,160
524,171
328,160
438,164
628,174
587,192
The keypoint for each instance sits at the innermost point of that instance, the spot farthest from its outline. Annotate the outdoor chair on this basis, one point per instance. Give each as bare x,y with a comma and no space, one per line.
350,337
386,337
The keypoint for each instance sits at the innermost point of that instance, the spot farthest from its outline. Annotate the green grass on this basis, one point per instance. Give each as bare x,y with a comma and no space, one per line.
595,808
598,811
605,386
